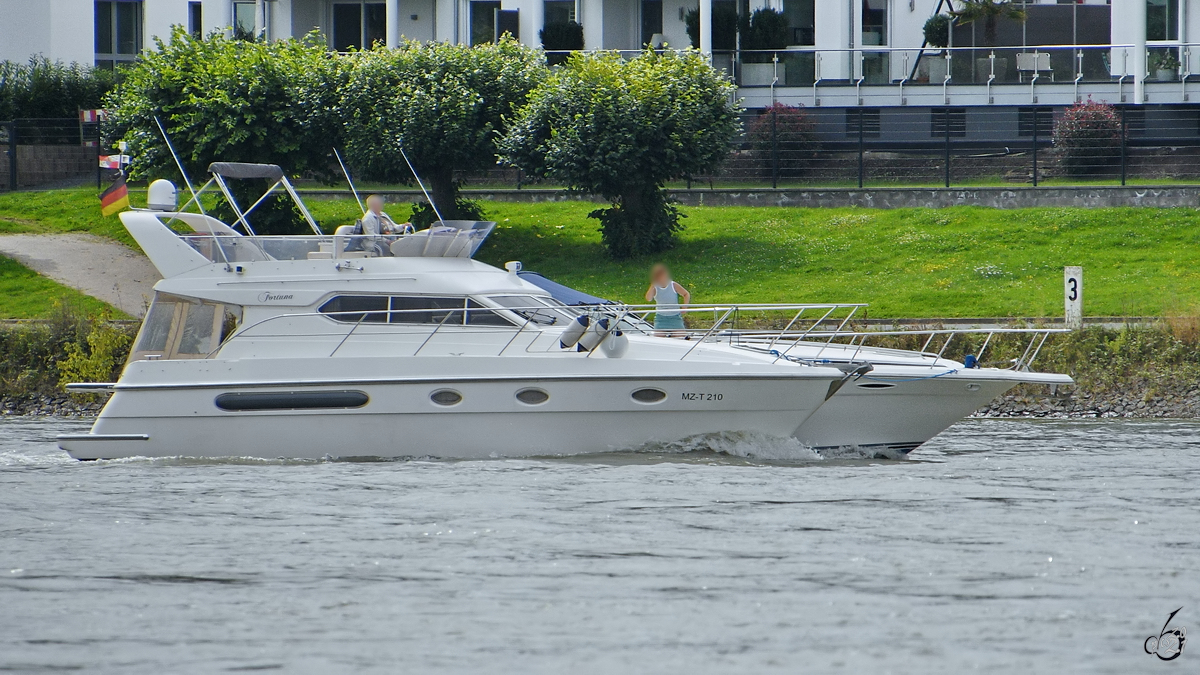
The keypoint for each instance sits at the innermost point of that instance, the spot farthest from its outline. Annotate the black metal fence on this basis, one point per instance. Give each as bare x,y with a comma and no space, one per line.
49,152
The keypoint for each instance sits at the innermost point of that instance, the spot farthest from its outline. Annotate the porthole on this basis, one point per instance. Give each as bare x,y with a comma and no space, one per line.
532,396
973,386
876,385
649,395
446,397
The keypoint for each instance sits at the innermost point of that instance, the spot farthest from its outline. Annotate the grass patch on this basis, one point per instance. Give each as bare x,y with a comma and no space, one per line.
953,262
24,294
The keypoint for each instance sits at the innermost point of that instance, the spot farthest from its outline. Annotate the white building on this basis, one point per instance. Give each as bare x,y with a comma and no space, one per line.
841,53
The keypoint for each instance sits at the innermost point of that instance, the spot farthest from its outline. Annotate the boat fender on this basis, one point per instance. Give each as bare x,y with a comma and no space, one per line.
594,336
970,361
573,332
616,345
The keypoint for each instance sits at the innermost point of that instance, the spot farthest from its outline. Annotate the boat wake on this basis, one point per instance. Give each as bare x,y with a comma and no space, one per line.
764,447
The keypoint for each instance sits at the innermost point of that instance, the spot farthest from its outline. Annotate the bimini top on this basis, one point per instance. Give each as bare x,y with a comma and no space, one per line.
243,171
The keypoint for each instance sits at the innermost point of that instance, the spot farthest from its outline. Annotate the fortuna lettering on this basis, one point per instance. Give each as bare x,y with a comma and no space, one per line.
268,297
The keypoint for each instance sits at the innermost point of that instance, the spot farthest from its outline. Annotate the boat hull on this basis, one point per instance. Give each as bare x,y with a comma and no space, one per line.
402,419
894,414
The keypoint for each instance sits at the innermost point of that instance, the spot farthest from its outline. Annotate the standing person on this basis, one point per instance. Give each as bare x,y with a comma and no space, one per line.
668,320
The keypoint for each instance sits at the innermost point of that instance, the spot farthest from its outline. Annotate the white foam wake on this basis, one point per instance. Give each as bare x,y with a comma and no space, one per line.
748,444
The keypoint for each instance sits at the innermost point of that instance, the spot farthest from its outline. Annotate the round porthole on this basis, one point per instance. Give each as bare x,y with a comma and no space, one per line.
974,386
446,397
532,396
649,395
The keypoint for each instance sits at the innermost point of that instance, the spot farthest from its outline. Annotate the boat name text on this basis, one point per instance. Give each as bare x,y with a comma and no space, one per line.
697,396
272,297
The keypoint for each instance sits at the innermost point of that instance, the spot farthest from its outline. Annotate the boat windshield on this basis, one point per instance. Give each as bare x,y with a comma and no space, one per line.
535,309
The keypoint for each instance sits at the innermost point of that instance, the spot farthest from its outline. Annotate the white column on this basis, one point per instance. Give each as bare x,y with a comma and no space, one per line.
260,17
1139,51
706,27
393,24
537,21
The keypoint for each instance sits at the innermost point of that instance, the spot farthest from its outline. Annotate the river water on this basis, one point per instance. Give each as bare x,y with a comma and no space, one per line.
1002,546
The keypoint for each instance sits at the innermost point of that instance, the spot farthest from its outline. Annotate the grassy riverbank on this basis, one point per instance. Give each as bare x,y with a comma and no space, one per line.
955,262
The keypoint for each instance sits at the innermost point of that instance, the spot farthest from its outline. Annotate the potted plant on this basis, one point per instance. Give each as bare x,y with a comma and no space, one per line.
1164,65
764,32
990,12
937,34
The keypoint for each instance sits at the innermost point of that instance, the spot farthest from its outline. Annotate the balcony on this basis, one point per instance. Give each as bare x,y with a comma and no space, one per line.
961,76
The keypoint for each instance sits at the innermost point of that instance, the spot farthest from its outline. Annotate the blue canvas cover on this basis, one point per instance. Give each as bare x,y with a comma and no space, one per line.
564,294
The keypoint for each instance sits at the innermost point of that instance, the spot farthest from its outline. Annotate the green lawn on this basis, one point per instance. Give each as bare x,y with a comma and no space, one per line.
963,261
24,294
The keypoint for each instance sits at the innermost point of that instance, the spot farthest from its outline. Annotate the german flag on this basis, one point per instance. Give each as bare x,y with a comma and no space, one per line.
115,198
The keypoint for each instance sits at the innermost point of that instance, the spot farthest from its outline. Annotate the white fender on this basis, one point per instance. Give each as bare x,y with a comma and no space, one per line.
573,332
616,345
594,335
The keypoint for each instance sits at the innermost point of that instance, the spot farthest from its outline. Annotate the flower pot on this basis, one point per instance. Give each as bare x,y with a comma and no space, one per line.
1165,75
937,68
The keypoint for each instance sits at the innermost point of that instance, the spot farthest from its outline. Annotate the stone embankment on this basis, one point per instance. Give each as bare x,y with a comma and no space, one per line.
58,405
1139,401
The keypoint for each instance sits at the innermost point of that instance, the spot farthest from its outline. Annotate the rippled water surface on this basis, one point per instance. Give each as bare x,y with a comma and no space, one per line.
1002,546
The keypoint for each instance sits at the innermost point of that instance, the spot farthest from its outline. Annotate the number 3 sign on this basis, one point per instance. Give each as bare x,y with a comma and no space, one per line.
1073,296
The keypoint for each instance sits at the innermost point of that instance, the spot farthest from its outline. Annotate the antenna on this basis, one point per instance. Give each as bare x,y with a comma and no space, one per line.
346,172
188,181
414,172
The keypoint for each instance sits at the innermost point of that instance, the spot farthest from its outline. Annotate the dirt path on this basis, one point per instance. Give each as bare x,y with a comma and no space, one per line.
99,267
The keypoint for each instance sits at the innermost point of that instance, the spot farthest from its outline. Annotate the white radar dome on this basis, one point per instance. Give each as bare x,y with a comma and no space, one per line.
161,196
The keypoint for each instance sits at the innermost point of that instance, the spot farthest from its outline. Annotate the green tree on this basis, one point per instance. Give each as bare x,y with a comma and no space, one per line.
446,105
989,12
230,100
620,129
763,31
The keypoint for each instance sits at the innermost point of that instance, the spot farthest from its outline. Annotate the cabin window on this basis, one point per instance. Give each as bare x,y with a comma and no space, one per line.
184,328
411,309
529,307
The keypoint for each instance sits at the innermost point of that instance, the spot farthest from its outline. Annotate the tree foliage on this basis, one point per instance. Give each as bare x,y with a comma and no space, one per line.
1088,135
50,89
724,20
989,12
446,105
620,129
229,100
765,30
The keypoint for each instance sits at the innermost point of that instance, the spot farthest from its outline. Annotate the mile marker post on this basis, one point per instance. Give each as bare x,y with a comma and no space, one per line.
1073,296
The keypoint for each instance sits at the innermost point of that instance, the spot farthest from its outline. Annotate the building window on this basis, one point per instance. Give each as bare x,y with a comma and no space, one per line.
483,21
870,122
559,11
874,22
118,32
802,20
957,118
1045,121
1162,20
359,25
196,19
243,20
652,20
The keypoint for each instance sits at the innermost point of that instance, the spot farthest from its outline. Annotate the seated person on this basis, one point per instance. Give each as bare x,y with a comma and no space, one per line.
376,224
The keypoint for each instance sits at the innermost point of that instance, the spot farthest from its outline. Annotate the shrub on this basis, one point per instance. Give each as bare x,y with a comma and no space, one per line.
620,129
446,105
724,26
49,89
937,31
103,357
31,354
795,133
1088,136
232,100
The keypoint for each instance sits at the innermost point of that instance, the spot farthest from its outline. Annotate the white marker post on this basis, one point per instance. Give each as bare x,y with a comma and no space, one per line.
1073,296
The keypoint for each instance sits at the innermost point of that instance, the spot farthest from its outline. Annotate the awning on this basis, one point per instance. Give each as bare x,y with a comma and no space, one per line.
243,170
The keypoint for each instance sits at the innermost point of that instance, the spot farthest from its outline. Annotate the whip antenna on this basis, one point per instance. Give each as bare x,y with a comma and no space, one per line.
346,172
414,173
188,181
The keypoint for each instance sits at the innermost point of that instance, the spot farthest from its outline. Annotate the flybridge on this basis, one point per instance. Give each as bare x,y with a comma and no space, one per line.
213,241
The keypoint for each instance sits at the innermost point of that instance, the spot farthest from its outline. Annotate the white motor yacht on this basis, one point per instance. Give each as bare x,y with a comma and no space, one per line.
319,346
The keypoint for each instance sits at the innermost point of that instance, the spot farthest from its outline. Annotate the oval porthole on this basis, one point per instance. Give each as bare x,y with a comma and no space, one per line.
649,395
876,385
532,396
973,386
446,397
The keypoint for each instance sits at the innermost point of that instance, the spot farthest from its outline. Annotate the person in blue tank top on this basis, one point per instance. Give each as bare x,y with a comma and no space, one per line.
665,293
